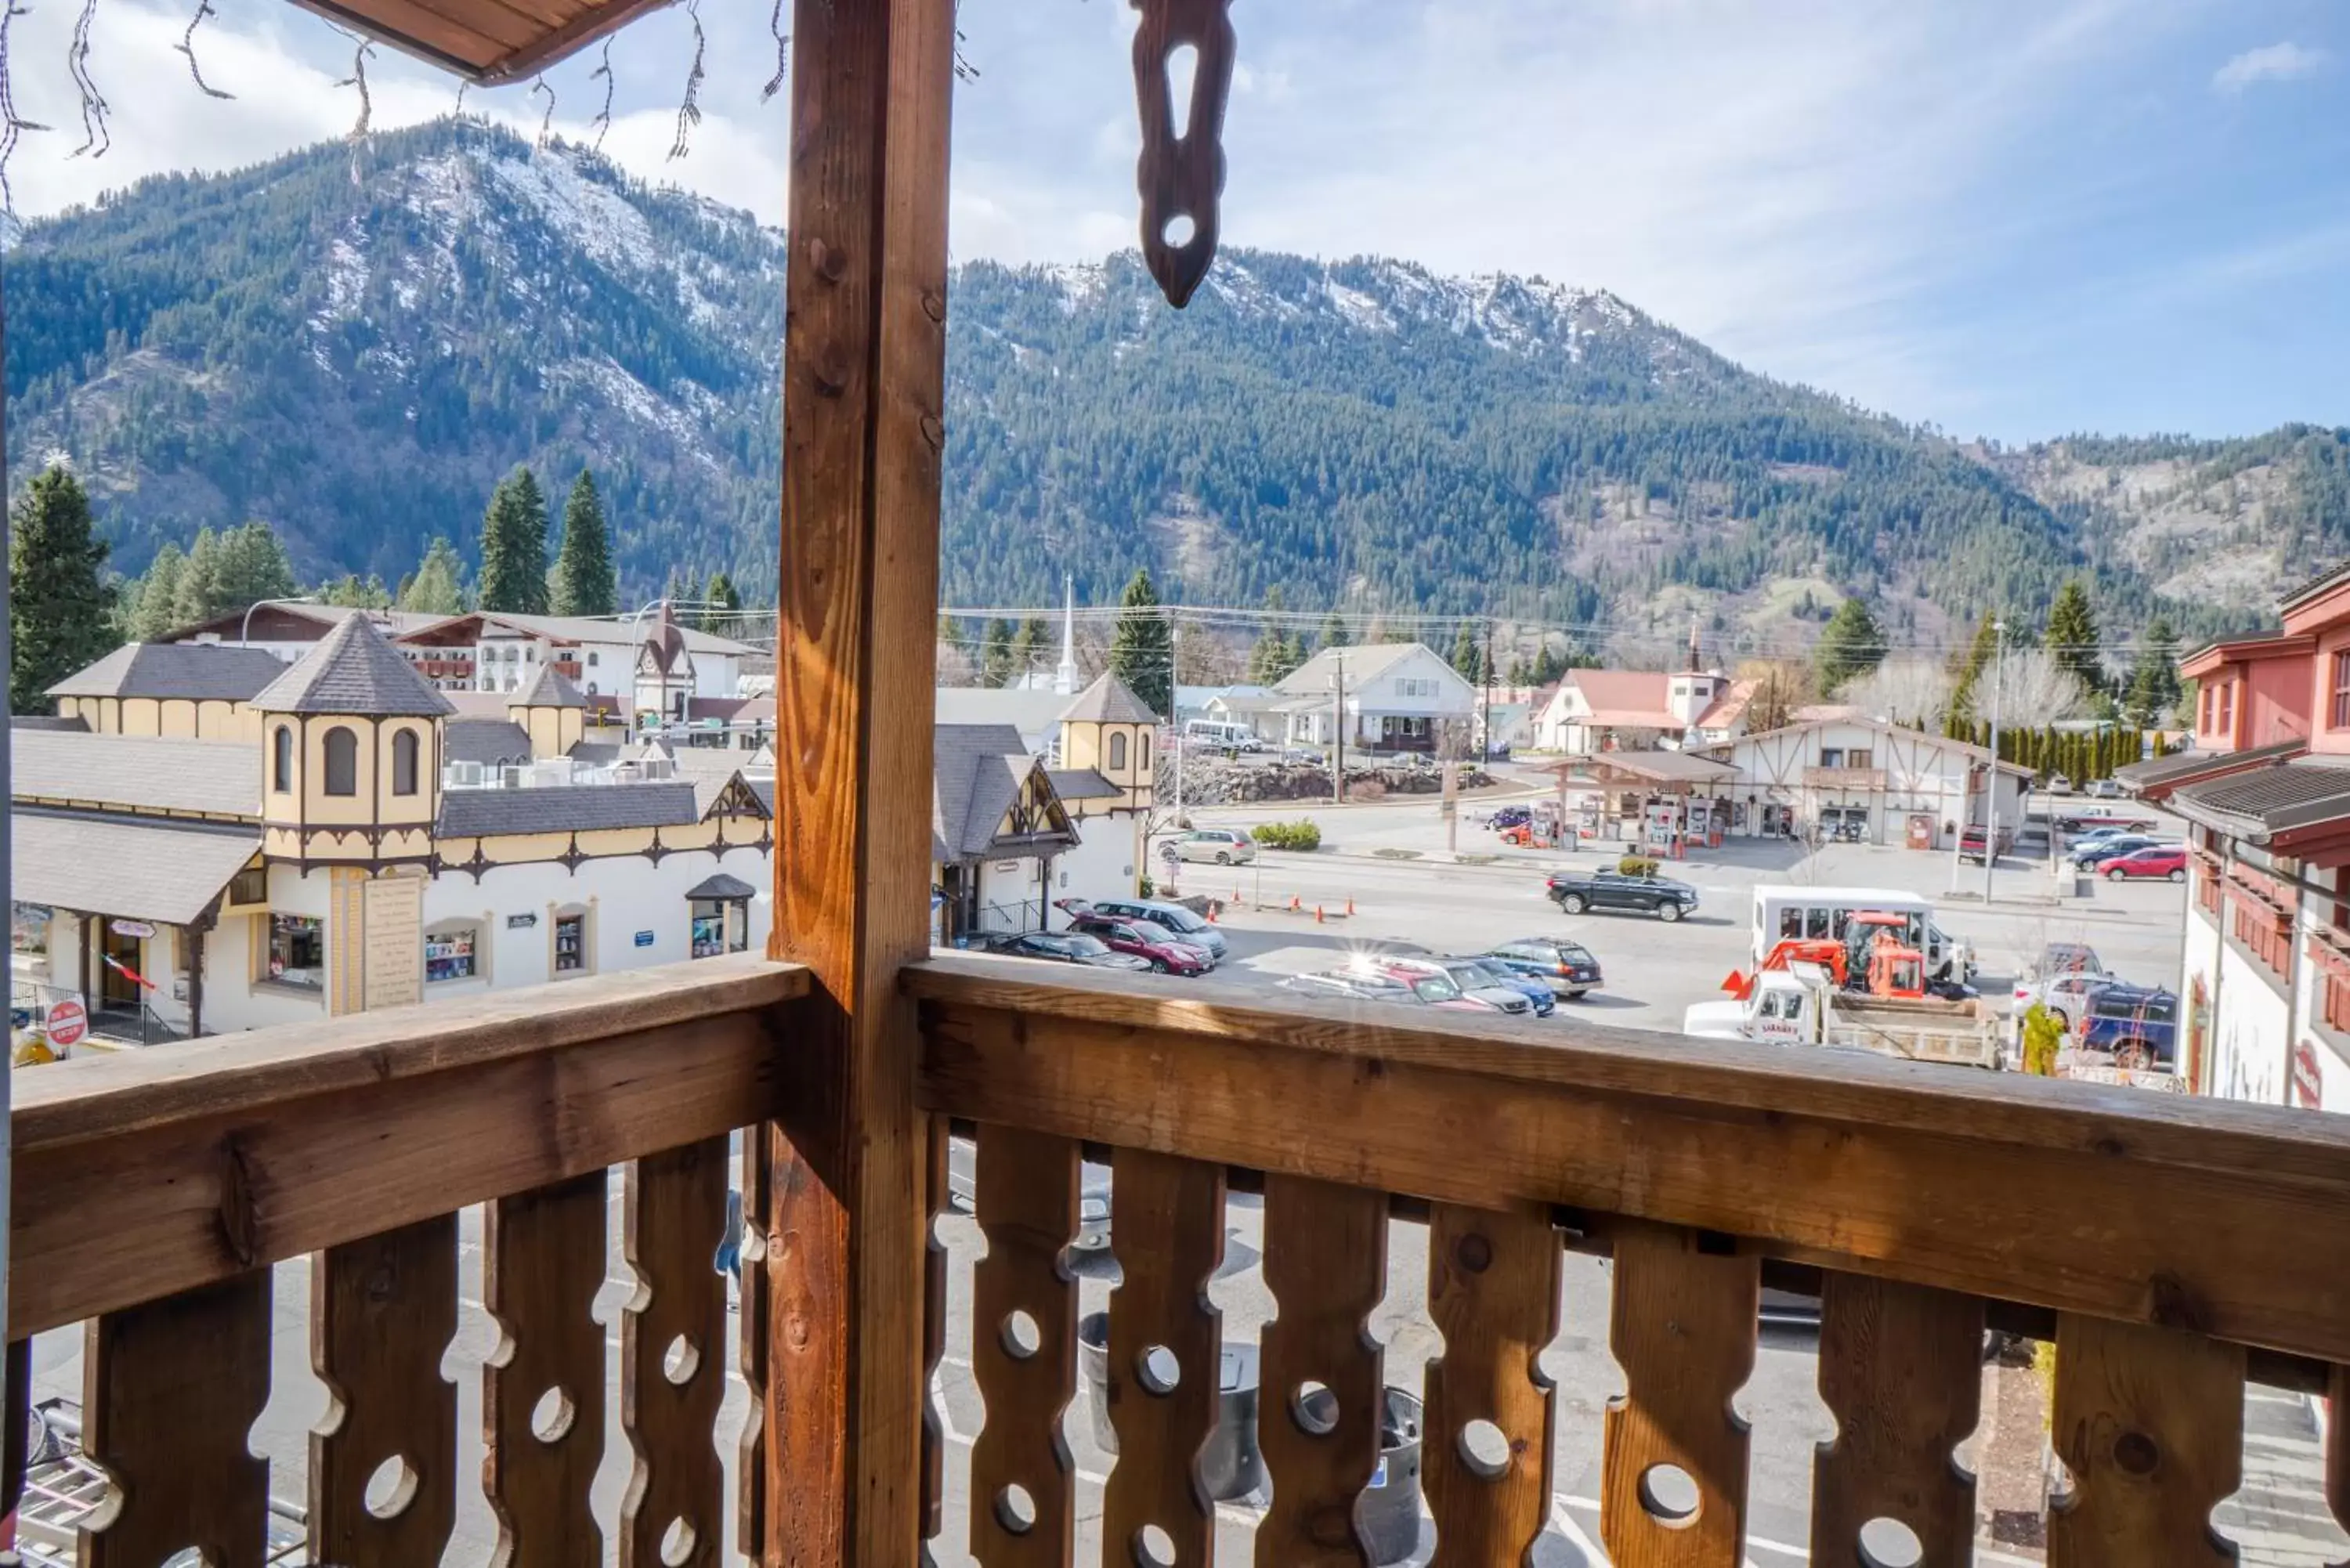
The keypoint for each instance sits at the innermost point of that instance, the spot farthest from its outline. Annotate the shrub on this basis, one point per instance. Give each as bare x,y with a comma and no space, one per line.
2042,1035
1300,835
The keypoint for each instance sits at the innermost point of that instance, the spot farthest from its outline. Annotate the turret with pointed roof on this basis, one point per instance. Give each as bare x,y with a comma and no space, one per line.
351,748
552,713
353,671
1108,729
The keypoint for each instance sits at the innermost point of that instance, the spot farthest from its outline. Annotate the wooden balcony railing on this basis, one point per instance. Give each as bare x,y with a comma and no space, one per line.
154,1190
2171,1249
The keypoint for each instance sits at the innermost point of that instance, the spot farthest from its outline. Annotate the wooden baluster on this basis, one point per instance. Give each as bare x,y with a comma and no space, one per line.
2150,1422
382,1312
760,1155
542,1394
672,1362
935,1333
16,1436
1168,1239
2338,1449
1325,1263
1901,1370
170,1391
1024,1350
1493,1292
1682,1328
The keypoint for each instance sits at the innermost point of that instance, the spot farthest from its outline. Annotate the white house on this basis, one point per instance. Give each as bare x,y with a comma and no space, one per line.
1396,697
1889,785
1595,710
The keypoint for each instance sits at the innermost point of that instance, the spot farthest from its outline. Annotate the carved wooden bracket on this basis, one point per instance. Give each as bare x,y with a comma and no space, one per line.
1182,176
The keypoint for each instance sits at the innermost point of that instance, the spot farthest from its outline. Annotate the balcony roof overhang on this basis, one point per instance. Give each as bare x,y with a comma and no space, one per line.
485,40
2214,657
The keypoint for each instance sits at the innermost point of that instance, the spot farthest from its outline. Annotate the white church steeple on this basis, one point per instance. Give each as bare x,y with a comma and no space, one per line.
1065,678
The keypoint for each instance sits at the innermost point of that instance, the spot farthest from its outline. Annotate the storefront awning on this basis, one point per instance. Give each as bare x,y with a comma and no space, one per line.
721,886
163,872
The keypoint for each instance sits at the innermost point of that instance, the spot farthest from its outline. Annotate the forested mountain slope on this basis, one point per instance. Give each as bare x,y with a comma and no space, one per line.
355,343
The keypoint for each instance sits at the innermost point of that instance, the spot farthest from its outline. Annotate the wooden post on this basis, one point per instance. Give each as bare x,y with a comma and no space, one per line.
864,386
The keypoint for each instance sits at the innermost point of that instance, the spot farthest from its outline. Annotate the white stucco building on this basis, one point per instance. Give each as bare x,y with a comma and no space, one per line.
1889,785
1394,696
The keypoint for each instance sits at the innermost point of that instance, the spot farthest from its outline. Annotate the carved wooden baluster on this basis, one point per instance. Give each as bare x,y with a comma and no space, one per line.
934,1331
1164,1356
1682,1328
542,1401
170,1390
2150,1422
1182,177
672,1361
16,1436
1901,1370
1493,1292
750,1455
382,1312
1024,1350
1325,1263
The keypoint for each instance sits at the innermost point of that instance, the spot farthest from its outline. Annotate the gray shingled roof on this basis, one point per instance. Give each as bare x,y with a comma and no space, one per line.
2181,767
489,742
353,669
1109,700
551,689
203,672
1082,784
146,773
139,870
75,725
564,808
721,886
977,776
2267,801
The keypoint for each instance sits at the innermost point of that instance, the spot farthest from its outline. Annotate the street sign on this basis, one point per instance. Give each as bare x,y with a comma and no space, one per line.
68,1022
644,939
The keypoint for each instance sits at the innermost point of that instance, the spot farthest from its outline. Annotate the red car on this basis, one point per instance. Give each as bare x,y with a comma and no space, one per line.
2165,860
1148,941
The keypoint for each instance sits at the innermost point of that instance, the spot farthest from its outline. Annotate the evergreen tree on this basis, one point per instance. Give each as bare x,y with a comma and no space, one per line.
61,605
2072,636
724,617
253,566
351,591
1468,653
1334,631
1850,644
155,608
1550,664
995,653
1141,651
2153,689
199,597
585,582
513,546
438,585
1031,645
1277,651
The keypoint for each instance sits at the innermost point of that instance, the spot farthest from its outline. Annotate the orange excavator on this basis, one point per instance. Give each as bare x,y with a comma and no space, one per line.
1872,948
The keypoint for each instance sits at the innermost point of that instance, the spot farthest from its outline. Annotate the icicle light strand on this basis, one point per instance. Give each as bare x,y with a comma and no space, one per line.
546,121
783,53
187,46
603,121
689,112
96,138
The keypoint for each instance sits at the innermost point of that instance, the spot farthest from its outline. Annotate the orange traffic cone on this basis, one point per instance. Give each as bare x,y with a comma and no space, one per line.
1350,909
1318,914
1295,903
1213,908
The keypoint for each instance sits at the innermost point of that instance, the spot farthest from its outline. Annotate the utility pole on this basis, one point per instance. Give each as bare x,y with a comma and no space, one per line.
1991,768
1338,733
1175,700
1485,733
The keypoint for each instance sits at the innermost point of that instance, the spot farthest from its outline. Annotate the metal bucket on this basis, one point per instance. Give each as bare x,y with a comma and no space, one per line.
1231,1466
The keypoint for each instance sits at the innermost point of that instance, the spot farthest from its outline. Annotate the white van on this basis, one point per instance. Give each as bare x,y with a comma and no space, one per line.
1786,912
1216,733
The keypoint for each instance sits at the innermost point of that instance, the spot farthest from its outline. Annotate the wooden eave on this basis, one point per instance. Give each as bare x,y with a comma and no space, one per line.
2212,657
485,41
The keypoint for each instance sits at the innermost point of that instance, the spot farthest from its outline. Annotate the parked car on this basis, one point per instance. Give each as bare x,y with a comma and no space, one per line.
1567,968
1487,988
2065,995
1188,926
1148,941
2089,856
1576,891
2137,1025
1510,816
1224,846
2103,789
2167,861
1066,947
2084,822
2059,784
1372,985
1970,843
1539,996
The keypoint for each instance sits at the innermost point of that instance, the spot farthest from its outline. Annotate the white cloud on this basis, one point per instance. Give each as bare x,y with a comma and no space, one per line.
2274,63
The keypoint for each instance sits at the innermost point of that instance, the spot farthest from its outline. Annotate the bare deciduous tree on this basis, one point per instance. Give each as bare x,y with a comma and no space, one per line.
2033,689
1904,692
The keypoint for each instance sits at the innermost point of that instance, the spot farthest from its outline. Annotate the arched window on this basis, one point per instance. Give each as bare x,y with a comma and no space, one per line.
403,763
281,764
342,761
1117,750
1142,751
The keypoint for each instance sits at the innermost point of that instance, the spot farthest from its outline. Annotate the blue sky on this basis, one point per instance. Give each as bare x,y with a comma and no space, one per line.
2010,219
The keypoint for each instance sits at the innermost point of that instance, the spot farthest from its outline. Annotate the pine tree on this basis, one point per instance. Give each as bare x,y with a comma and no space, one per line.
154,614
351,589
513,546
61,605
585,583
724,617
2072,636
1030,645
1334,631
995,653
199,597
2153,687
1850,644
1141,652
253,566
1970,667
1467,652
438,585
1277,651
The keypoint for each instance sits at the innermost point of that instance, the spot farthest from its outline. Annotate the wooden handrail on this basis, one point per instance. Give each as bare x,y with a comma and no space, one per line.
144,1175
2226,1218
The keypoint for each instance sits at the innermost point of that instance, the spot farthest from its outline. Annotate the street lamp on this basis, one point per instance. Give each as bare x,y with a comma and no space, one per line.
245,634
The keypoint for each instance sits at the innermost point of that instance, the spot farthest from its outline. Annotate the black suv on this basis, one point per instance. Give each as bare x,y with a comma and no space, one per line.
1576,891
